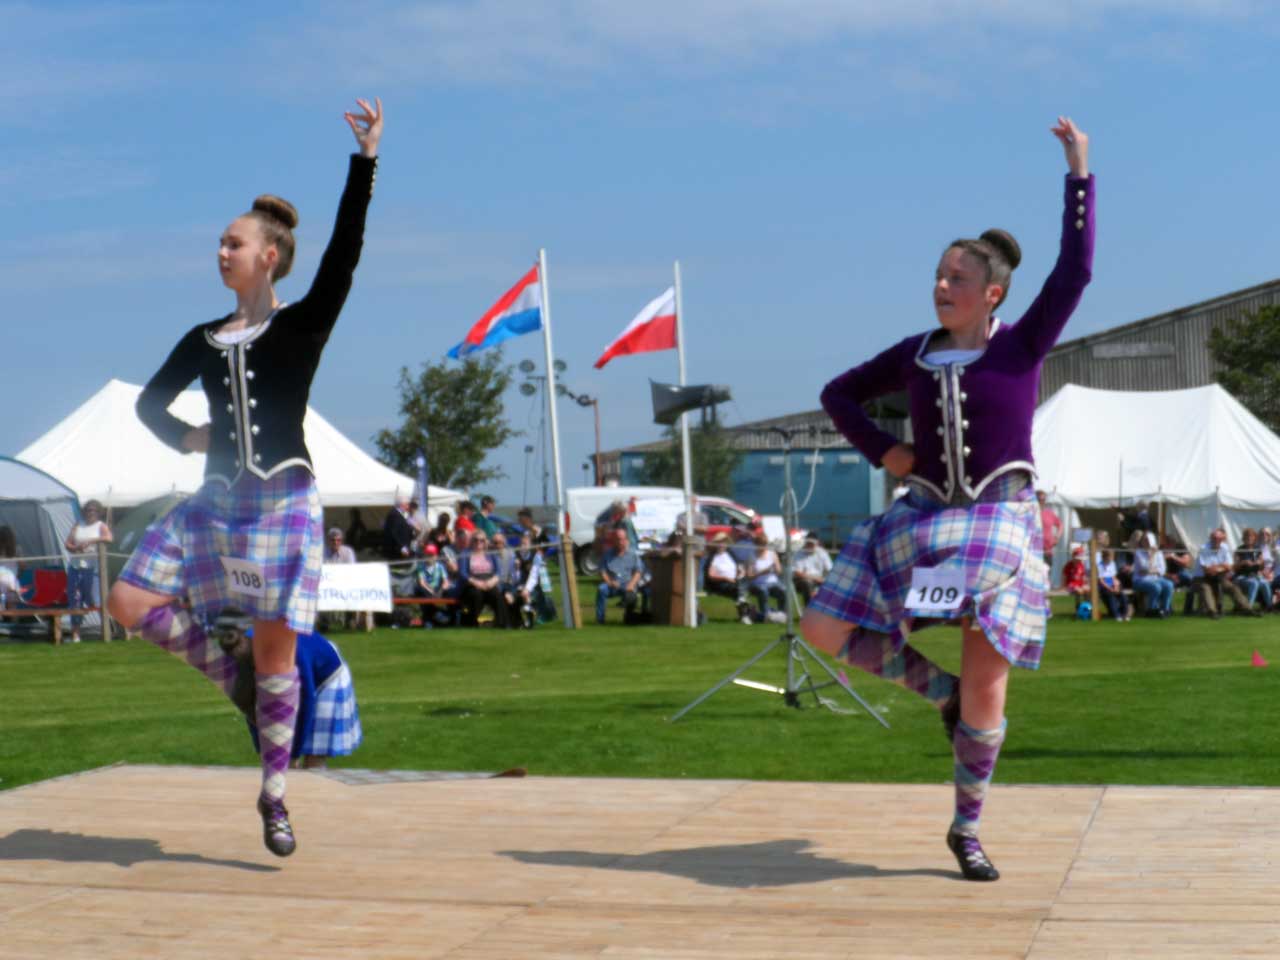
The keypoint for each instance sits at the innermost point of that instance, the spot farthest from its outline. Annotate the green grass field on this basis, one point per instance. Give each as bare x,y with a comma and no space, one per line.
1148,702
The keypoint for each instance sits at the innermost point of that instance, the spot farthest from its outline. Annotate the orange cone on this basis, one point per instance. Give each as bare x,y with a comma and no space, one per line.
1258,659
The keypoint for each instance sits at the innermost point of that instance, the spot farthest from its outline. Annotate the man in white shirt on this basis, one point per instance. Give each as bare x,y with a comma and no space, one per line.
809,567
1212,574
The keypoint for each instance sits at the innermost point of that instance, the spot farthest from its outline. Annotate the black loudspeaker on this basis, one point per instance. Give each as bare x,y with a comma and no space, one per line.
669,401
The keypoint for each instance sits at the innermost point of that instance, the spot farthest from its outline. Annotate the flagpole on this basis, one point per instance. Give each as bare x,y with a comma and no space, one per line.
570,610
690,575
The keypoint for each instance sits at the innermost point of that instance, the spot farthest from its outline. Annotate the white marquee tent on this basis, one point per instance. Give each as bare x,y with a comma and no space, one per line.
1199,451
103,452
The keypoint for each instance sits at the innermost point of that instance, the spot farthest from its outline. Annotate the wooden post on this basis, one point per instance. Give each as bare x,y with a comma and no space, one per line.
570,580
103,587
1093,576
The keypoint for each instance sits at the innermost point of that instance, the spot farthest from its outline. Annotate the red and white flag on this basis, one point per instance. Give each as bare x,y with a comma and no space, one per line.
654,328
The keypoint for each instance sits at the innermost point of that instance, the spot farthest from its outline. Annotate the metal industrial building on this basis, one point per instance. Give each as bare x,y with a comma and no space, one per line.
1168,351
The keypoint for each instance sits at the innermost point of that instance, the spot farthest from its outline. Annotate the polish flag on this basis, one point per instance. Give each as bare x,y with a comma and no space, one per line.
654,328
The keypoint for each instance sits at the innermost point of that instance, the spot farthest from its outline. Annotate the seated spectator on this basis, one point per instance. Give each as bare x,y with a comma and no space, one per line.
82,570
439,534
1247,571
1177,562
508,576
1135,518
723,576
466,521
809,568
1213,575
10,589
484,519
1149,578
533,584
481,585
538,536
764,580
431,582
1270,554
336,551
1109,588
1075,576
397,532
620,574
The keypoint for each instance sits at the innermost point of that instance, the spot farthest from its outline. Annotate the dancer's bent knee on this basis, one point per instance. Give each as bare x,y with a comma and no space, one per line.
825,632
128,604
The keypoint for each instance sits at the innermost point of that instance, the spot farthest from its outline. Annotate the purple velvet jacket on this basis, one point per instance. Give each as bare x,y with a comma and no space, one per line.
971,422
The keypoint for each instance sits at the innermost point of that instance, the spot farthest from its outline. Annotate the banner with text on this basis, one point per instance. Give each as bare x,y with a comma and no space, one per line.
355,586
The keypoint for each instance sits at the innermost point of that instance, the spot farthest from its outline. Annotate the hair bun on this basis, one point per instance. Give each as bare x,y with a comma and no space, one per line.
279,209
1003,241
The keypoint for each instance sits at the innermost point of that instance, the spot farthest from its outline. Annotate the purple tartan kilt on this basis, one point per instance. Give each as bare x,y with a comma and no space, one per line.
277,523
997,542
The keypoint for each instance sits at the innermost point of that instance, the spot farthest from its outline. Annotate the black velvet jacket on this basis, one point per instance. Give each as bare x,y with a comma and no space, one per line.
258,389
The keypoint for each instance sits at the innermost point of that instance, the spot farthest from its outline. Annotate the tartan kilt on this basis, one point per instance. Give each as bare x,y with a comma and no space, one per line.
996,542
277,523
335,727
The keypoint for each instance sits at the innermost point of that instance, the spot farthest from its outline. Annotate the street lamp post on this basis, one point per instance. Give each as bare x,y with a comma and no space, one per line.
533,383
582,400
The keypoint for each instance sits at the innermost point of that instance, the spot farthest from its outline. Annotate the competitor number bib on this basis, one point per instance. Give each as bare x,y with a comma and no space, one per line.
935,591
245,576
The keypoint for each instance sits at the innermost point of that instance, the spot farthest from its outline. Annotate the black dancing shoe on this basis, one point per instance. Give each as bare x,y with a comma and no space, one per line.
277,832
969,854
231,628
951,713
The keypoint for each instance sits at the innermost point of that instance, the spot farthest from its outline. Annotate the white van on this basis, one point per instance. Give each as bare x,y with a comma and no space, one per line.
654,513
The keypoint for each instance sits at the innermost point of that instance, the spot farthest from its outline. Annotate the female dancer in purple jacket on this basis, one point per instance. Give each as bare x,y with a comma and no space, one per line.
964,544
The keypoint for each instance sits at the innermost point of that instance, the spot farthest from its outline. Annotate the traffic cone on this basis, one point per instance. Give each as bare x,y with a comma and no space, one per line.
1258,659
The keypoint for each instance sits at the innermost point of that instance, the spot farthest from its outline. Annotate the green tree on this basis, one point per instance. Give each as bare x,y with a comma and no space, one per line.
714,460
454,412
1247,352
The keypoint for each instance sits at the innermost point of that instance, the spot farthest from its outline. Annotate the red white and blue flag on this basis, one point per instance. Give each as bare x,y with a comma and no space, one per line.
519,311
654,328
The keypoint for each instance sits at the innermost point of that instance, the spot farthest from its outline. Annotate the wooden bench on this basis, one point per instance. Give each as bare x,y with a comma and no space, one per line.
54,613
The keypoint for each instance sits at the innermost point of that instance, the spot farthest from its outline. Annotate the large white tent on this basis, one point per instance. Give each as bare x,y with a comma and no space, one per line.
1199,451
103,452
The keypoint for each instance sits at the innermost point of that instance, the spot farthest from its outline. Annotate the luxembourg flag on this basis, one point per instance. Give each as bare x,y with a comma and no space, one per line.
654,328
519,311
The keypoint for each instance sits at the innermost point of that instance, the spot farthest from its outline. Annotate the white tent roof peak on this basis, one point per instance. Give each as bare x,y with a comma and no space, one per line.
104,452
1093,447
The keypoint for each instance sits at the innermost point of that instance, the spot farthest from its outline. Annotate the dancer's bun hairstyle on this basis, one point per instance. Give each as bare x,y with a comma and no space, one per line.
277,217
1000,253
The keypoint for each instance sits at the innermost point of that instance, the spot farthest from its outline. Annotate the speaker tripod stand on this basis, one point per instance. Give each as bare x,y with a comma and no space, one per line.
801,657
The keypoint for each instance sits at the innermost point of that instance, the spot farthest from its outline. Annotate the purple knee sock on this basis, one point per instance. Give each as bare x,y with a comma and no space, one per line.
908,667
171,627
976,752
277,714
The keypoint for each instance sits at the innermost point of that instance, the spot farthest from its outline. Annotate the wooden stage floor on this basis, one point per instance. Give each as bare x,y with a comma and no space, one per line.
138,862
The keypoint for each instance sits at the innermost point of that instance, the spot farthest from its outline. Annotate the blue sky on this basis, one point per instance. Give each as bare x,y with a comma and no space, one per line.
805,160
